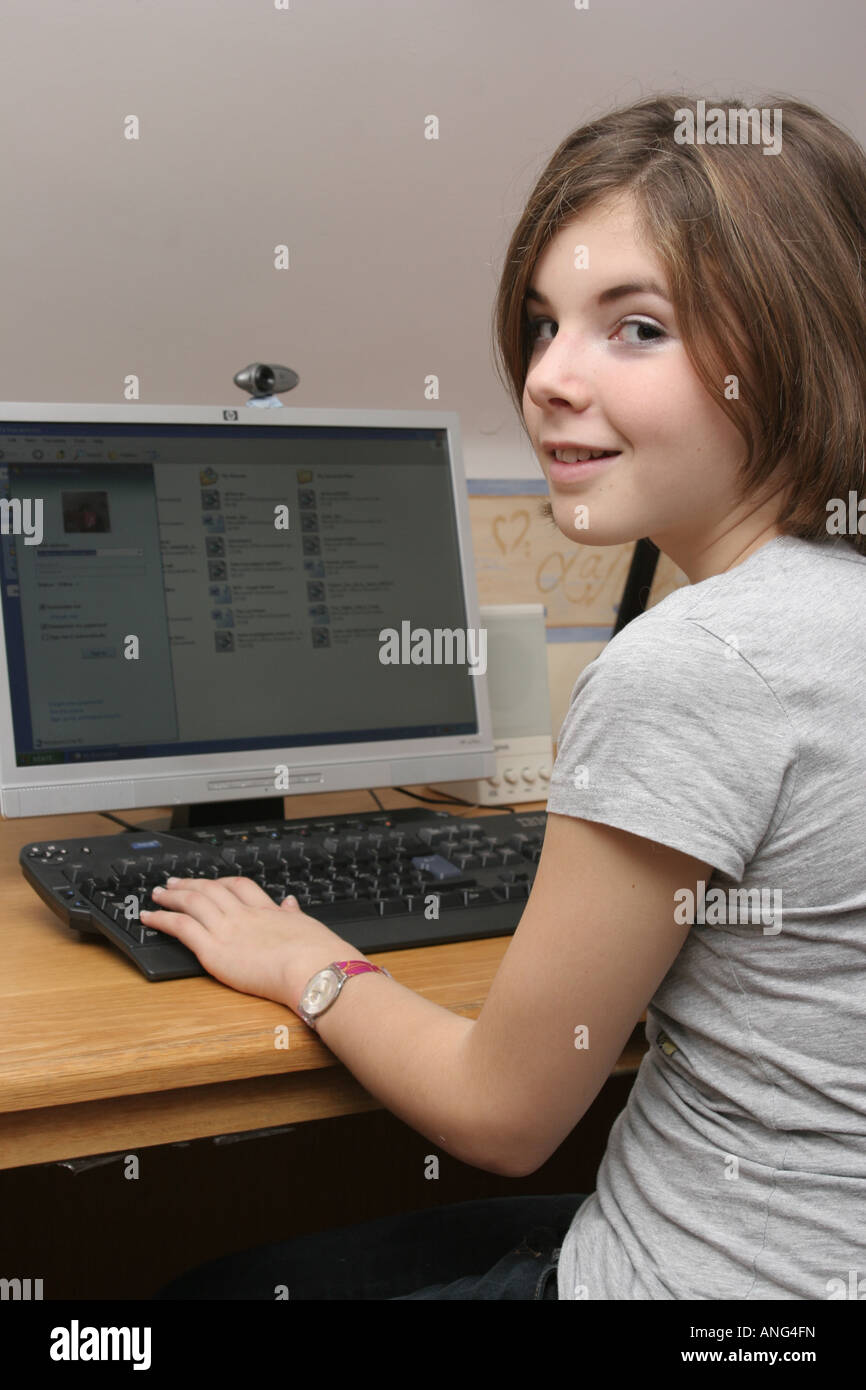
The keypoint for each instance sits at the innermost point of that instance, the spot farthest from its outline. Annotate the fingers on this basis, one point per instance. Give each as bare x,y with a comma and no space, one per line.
201,900
221,893
245,891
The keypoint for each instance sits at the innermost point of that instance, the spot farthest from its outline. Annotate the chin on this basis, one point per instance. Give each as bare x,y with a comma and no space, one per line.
562,517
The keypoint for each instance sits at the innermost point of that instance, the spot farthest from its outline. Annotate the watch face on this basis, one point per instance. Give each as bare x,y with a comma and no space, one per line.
320,992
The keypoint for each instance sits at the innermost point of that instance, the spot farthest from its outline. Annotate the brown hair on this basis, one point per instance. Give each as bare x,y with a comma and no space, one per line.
763,255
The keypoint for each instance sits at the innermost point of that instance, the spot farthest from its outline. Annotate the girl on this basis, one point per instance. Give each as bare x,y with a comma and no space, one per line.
694,313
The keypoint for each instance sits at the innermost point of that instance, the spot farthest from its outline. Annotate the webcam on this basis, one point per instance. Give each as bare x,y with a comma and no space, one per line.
266,379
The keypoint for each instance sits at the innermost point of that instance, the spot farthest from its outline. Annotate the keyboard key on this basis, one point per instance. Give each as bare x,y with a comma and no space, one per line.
438,867
140,934
479,897
467,861
514,892
350,911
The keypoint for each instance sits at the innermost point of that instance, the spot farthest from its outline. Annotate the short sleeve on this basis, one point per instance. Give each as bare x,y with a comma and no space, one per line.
671,734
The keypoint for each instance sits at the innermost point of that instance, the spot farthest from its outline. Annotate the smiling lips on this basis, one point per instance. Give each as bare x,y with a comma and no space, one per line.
582,446
578,453
578,464
570,462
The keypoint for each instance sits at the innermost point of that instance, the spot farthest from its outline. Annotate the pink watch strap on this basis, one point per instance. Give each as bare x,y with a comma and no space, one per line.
357,967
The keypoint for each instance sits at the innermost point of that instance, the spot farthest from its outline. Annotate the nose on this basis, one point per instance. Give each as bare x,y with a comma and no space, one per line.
561,375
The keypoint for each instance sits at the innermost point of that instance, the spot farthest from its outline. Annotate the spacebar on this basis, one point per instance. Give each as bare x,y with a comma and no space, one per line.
349,911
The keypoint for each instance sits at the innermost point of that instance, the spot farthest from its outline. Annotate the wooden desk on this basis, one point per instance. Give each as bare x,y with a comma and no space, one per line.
94,1058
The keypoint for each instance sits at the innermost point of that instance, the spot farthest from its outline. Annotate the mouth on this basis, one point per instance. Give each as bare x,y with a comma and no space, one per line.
570,464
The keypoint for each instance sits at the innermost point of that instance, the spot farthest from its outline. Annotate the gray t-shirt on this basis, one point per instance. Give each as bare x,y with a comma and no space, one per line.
730,722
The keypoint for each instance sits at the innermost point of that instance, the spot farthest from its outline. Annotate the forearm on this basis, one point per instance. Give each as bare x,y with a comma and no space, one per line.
408,1052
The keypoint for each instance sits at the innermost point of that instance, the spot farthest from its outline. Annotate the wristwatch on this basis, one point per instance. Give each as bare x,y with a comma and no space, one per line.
323,988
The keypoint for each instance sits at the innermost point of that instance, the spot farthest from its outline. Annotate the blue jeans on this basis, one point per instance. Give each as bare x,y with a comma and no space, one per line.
417,1254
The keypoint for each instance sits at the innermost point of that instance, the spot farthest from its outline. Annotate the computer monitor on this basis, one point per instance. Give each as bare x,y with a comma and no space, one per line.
209,604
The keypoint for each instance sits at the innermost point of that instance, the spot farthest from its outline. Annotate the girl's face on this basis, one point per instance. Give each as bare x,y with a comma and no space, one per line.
609,371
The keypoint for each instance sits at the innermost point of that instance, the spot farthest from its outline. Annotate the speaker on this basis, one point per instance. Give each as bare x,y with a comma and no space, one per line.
519,709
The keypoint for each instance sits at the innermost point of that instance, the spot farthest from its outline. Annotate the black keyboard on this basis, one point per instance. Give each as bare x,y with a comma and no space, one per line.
368,876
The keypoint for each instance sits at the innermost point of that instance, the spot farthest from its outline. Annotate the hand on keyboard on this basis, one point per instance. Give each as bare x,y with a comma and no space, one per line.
241,937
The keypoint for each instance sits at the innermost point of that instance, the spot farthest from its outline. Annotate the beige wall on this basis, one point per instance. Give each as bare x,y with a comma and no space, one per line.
306,127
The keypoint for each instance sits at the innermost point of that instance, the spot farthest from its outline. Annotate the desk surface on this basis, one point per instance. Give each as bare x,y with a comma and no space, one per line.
95,1058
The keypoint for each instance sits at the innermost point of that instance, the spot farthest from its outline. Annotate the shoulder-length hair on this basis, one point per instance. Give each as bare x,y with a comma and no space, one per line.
764,259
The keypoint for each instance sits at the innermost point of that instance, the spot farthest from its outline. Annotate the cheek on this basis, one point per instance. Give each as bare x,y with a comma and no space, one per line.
644,401
676,411
697,408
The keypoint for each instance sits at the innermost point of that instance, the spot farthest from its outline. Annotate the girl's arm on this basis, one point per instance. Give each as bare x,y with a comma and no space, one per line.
596,939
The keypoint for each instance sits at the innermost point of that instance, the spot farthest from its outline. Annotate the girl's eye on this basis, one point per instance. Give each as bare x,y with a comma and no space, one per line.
655,329
533,327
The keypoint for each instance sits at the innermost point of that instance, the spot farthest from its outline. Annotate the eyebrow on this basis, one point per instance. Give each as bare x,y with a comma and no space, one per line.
607,296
